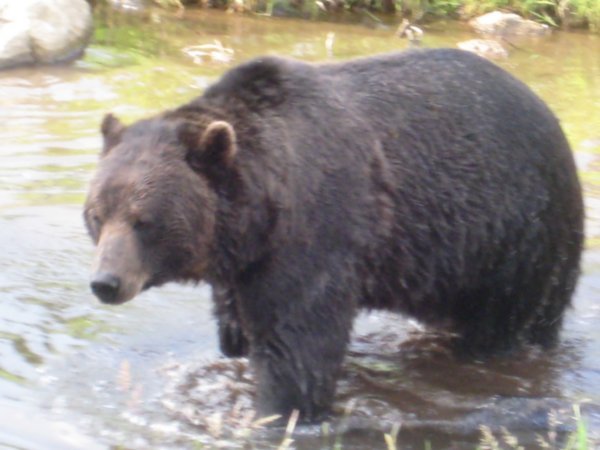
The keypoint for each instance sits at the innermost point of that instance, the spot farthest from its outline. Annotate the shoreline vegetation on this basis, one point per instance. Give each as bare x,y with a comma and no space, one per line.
563,14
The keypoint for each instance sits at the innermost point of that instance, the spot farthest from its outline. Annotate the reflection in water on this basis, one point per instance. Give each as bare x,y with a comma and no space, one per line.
148,373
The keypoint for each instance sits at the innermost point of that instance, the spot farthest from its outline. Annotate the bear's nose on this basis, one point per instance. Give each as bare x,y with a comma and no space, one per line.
105,286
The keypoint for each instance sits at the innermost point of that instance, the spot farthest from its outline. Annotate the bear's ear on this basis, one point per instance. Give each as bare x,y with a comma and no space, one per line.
112,130
216,149
218,143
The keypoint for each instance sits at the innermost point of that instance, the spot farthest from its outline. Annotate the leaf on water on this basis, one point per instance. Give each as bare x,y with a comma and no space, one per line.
124,376
215,425
265,421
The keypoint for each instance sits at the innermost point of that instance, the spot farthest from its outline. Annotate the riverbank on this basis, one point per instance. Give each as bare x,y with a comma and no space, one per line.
564,14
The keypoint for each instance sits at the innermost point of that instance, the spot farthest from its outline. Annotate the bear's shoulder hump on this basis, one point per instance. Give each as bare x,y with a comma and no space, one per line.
261,80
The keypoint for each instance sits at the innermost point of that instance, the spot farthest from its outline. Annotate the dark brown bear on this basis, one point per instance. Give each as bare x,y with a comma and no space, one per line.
431,183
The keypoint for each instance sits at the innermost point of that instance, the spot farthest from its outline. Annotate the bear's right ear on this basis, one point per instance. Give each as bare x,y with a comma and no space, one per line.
215,152
218,143
112,130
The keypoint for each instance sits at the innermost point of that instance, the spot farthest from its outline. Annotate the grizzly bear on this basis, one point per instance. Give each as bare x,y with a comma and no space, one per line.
430,182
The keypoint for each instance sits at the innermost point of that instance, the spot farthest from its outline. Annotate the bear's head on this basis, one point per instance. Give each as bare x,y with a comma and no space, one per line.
151,206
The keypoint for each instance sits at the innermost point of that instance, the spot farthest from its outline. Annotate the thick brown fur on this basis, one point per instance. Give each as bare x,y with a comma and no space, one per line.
431,183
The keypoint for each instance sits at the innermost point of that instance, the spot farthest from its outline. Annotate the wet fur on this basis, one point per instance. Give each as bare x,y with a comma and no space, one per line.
431,183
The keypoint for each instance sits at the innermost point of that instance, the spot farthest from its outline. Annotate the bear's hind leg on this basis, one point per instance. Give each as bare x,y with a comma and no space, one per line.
525,308
486,327
545,327
493,319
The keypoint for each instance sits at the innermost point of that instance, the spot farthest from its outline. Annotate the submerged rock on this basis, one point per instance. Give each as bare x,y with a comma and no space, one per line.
43,31
487,48
501,23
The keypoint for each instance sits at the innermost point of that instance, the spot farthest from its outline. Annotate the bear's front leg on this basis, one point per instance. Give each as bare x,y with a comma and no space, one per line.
297,346
232,341
298,371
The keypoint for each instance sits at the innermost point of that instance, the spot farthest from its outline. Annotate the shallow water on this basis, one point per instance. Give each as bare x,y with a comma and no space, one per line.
76,374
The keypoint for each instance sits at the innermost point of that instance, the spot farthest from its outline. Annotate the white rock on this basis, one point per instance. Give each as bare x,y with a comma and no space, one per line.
15,45
43,31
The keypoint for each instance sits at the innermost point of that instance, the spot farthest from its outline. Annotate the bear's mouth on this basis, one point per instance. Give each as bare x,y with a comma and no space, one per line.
112,289
155,281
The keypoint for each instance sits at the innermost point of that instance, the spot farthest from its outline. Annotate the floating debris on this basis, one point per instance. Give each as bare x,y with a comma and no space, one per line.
329,41
413,33
215,52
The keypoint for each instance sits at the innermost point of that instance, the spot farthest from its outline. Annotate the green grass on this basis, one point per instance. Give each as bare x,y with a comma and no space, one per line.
588,9
579,439
505,440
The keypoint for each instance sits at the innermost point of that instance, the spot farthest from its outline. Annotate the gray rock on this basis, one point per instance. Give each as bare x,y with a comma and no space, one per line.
506,24
43,31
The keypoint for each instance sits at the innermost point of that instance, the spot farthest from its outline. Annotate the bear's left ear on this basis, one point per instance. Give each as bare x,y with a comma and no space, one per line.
216,150
112,130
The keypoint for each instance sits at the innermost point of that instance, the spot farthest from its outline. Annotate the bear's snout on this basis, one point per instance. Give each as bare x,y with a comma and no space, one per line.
119,272
106,286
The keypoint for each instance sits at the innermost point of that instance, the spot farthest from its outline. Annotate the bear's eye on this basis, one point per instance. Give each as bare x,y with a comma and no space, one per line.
143,224
95,221
93,224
